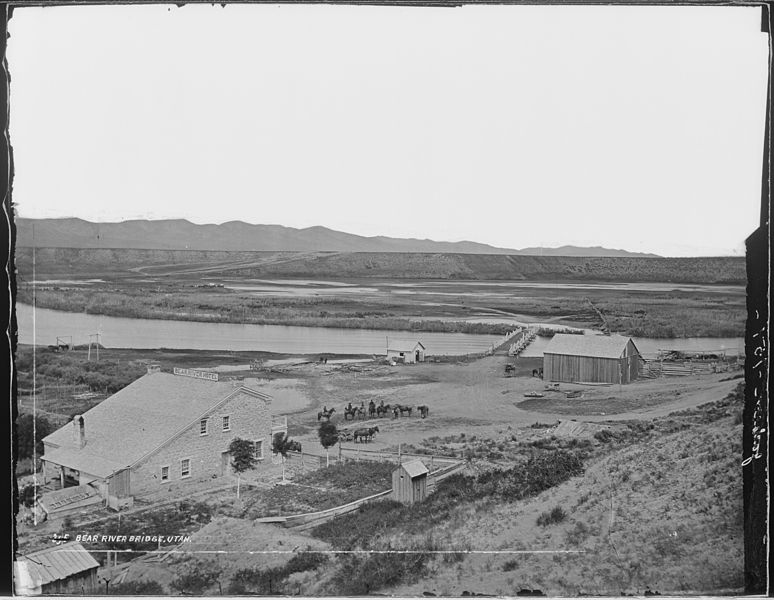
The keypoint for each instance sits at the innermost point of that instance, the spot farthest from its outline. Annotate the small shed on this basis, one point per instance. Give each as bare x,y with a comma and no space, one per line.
405,351
66,569
591,359
409,482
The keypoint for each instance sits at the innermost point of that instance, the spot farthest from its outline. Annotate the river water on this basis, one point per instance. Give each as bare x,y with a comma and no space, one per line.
118,332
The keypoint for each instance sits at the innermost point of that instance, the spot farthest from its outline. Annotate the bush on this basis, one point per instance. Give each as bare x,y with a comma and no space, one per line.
556,515
197,578
510,565
136,588
272,581
30,432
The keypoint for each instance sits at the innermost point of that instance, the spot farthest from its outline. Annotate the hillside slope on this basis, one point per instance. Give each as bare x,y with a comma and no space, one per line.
663,515
359,265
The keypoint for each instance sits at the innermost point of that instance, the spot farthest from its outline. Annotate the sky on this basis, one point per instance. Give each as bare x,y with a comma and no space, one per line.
638,128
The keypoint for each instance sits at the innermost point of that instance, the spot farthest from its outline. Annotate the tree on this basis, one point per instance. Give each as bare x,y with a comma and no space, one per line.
242,457
329,435
30,432
281,444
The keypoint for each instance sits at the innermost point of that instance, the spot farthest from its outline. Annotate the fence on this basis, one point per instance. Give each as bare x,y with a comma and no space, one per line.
305,460
654,368
304,521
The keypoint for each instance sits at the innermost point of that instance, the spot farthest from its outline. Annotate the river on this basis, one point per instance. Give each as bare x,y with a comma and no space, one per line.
119,332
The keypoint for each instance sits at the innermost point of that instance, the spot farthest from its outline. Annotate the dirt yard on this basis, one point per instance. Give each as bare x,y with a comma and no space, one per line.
472,397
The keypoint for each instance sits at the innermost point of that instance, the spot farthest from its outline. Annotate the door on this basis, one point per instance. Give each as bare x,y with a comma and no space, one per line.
225,462
416,492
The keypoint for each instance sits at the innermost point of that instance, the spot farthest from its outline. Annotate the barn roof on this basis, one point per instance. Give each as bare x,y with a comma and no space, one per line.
137,420
57,562
404,345
415,468
596,346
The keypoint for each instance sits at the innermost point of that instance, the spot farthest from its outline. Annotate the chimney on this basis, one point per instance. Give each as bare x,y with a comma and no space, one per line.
79,431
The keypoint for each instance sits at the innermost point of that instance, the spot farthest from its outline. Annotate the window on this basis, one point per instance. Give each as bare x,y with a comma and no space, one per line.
226,423
203,427
185,467
259,449
164,473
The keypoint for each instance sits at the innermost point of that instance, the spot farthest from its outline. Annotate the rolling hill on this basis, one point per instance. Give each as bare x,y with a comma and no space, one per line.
179,234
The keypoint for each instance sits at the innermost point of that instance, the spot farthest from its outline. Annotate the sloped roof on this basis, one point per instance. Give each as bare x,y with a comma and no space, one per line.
57,562
67,497
596,346
404,345
138,419
415,468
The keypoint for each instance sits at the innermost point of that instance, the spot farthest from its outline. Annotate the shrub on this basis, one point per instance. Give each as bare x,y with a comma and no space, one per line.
510,565
555,515
136,588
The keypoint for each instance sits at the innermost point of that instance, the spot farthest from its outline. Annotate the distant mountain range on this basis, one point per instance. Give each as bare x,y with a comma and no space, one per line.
179,234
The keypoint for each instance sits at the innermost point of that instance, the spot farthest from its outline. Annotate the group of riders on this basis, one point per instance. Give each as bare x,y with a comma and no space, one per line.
373,409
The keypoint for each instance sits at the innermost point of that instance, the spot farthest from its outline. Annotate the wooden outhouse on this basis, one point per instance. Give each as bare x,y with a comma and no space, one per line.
409,482
591,359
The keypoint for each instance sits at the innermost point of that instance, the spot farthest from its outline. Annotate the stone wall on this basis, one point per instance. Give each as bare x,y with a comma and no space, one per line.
249,418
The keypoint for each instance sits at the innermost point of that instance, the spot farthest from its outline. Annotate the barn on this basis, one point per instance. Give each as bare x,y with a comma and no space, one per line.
409,482
405,351
163,434
591,359
66,569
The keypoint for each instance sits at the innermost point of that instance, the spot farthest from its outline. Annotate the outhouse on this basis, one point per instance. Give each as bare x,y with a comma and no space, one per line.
409,482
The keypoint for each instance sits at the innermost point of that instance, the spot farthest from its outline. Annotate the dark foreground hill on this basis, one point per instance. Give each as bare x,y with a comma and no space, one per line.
179,234
59,262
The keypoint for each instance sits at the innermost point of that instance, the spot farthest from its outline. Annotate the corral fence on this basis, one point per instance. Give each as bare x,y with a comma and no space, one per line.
54,392
651,369
346,454
304,521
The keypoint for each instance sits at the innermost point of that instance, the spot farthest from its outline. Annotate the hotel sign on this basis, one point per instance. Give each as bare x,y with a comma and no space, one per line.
195,374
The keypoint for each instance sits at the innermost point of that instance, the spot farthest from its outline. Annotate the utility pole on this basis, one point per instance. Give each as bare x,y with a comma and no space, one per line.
92,337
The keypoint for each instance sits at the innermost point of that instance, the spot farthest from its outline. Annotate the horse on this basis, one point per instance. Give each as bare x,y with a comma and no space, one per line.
371,410
326,413
365,433
361,412
423,410
350,411
382,410
404,409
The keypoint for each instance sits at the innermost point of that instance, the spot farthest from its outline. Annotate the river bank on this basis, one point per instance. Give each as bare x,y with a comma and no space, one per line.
487,308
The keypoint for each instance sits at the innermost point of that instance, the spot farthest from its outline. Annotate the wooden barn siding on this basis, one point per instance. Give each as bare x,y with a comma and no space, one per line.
75,585
562,367
118,484
633,360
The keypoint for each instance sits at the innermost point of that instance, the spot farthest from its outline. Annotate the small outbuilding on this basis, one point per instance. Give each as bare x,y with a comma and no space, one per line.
405,351
66,569
591,359
409,482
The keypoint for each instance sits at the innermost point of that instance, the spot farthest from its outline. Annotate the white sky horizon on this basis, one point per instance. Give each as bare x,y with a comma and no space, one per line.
636,128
